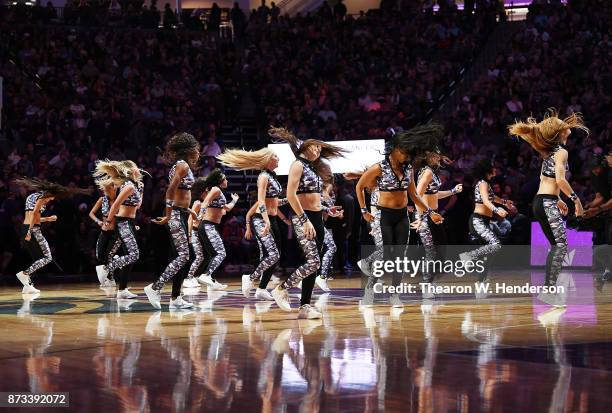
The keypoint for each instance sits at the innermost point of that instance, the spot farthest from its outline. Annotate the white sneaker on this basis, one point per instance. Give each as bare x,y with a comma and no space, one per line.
102,273
281,296
322,284
213,284
29,289
247,285
395,301
263,294
25,280
190,283
205,280
126,295
108,283
218,286
307,312
180,303
154,296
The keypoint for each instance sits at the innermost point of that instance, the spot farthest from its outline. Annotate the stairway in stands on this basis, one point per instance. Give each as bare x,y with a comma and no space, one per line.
241,133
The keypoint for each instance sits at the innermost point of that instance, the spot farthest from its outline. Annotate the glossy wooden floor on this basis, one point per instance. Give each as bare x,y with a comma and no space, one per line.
451,354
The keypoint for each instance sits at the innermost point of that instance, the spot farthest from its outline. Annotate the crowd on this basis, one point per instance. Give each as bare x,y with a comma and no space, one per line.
75,95
561,58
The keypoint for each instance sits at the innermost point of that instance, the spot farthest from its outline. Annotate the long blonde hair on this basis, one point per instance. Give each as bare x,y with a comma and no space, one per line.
298,147
242,160
109,172
545,135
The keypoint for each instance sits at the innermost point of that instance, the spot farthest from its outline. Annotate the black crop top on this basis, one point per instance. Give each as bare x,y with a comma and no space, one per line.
218,202
478,195
187,181
434,185
274,188
136,196
389,181
310,182
548,164
31,201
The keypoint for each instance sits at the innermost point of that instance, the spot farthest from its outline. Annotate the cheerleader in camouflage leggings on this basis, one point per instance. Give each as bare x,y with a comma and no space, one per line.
32,238
394,178
329,246
215,205
121,217
198,191
547,138
108,243
428,187
262,218
304,188
484,208
183,151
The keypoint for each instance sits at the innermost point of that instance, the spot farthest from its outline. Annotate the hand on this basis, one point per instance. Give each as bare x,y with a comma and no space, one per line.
52,218
368,217
458,188
287,222
161,220
309,230
266,229
335,212
416,224
192,213
502,212
100,223
591,212
248,234
436,218
563,207
410,209
446,160
28,236
235,197
579,209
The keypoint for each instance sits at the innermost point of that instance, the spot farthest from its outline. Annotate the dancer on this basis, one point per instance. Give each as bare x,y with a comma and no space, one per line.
484,208
183,151
121,217
262,218
428,188
327,201
216,206
198,191
108,243
547,138
32,238
394,176
304,187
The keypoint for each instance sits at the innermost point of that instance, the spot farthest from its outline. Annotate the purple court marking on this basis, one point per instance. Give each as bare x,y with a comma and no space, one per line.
580,251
